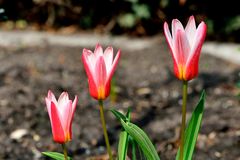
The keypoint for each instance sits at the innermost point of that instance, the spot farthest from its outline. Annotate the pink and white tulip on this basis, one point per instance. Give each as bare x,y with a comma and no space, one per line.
99,67
61,114
185,45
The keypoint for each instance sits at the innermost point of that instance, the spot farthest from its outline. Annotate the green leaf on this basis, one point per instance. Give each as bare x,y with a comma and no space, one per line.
55,155
133,142
128,114
119,115
142,140
127,20
123,145
141,11
124,136
238,84
233,24
191,133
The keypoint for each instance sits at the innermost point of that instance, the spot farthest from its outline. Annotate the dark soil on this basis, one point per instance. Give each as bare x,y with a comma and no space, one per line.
144,81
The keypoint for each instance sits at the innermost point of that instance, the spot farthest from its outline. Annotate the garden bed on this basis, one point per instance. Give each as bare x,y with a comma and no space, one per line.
144,81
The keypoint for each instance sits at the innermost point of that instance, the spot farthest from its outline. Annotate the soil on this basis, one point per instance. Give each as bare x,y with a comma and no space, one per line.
144,81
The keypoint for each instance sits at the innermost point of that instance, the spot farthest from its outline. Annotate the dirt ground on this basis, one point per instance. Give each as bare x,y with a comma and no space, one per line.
144,81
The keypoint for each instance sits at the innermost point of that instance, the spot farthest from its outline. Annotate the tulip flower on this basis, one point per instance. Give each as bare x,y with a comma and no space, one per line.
61,114
100,67
185,45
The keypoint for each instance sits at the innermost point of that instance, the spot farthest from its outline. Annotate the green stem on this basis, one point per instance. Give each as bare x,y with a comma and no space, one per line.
184,104
105,129
65,151
134,150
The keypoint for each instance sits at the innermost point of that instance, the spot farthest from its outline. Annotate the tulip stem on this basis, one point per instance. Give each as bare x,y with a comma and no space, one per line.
184,104
65,151
105,129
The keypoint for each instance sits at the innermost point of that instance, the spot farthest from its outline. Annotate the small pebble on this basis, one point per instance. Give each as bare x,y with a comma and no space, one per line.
144,91
36,137
18,134
218,154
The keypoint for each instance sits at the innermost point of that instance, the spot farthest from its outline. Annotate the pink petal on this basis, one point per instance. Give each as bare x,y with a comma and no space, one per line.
89,58
50,94
192,62
65,111
183,47
113,68
168,36
51,97
98,51
172,49
100,71
48,104
101,76
108,58
191,29
107,88
63,99
74,104
114,65
176,25
199,37
192,68
66,118
93,88
90,74
57,129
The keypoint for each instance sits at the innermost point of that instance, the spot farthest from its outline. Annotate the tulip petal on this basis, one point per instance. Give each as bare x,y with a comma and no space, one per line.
183,47
63,107
199,37
52,97
67,120
63,99
193,59
176,26
114,64
108,58
168,36
191,30
89,66
57,129
100,72
74,104
65,112
89,59
112,70
48,104
172,49
100,76
98,51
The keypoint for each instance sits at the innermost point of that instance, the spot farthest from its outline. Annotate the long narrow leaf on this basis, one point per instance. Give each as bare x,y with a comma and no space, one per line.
191,133
119,115
123,145
124,136
134,145
55,155
128,114
142,140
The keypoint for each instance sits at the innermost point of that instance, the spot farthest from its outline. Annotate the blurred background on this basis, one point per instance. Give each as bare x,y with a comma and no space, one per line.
132,17
41,43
